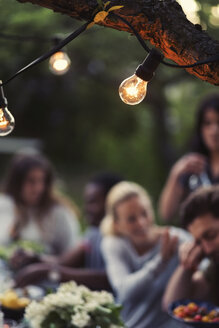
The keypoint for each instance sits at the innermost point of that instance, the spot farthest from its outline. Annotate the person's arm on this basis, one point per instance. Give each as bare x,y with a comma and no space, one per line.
126,283
187,281
73,258
93,279
173,192
171,197
185,284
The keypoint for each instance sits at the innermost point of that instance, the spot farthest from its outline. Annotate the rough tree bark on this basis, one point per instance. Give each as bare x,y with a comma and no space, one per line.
162,22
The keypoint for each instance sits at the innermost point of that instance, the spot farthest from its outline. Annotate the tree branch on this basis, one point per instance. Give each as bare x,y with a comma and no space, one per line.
162,22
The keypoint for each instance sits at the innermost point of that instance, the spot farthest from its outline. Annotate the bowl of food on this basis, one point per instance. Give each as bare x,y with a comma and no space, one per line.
195,313
12,305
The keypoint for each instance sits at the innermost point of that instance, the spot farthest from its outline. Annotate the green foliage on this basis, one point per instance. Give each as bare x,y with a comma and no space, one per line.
53,320
7,251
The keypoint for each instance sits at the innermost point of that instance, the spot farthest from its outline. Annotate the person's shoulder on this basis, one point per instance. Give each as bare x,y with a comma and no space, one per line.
64,219
114,243
6,201
114,239
92,233
182,234
60,210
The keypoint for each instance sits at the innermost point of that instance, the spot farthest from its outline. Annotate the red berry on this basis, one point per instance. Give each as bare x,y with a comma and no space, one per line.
187,311
198,317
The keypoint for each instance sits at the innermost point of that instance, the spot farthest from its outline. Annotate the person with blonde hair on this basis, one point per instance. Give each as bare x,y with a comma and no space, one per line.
140,256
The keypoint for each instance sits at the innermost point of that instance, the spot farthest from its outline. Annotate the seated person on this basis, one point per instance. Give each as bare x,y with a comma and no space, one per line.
200,167
140,256
94,197
87,255
200,215
30,210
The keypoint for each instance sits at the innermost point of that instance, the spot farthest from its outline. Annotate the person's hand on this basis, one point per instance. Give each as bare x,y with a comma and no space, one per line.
168,245
21,258
191,163
32,274
190,255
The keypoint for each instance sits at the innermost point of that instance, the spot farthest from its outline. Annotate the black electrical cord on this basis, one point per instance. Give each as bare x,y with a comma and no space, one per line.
81,29
59,46
142,42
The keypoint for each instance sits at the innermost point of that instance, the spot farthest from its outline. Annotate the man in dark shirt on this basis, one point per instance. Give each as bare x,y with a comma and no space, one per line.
200,216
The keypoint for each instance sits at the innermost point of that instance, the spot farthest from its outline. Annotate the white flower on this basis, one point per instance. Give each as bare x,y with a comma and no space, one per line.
79,301
62,300
80,319
103,297
70,286
84,291
36,323
35,309
90,306
36,313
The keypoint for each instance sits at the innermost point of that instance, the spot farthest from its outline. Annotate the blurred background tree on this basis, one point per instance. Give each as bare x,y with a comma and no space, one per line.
79,118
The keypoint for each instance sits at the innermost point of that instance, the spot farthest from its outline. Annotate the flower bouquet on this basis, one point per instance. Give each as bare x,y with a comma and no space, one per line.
74,306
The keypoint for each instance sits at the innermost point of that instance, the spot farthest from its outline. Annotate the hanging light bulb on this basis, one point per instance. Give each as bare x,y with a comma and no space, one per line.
133,89
59,63
7,121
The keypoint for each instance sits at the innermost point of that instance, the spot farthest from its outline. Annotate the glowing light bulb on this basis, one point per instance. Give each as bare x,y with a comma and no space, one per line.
7,121
59,63
133,90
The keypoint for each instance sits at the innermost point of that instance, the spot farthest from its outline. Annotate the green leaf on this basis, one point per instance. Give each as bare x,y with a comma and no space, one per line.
101,309
53,320
115,8
106,4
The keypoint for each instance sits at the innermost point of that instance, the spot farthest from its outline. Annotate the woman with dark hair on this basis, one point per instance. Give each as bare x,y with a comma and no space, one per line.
29,209
200,166
83,264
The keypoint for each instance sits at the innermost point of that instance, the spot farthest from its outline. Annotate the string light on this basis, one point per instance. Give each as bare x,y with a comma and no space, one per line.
7,121
134,89
59,63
